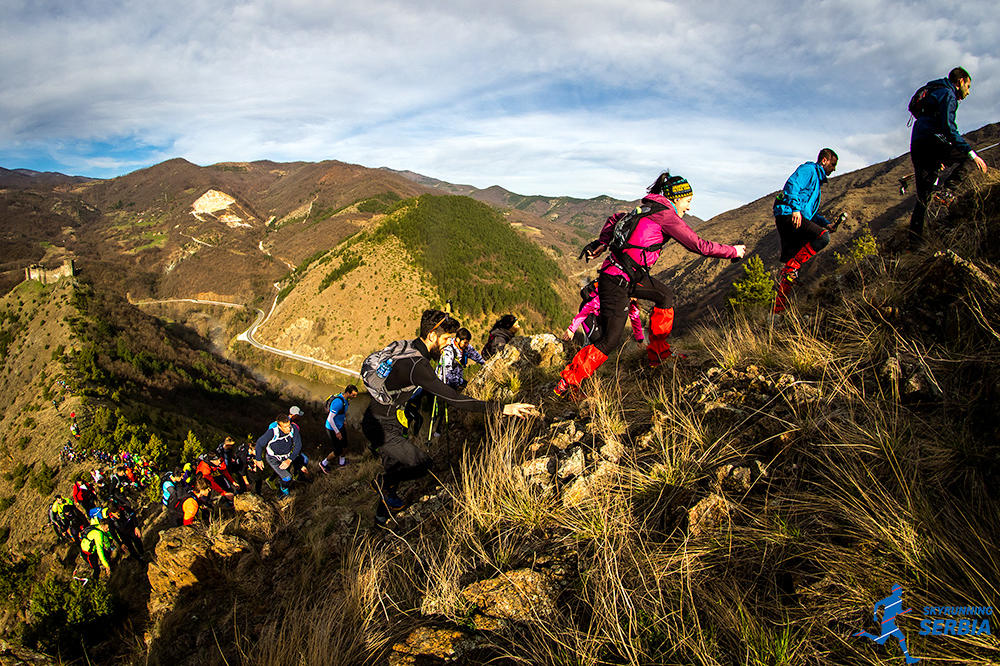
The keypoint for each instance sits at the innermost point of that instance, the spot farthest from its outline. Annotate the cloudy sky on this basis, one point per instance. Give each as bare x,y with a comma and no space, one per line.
576,97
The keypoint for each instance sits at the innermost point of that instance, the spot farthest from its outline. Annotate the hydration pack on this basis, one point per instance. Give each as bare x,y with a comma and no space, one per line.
921,103
624,227
376,368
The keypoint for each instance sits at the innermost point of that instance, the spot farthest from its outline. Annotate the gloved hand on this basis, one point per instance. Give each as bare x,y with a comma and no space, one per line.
591,250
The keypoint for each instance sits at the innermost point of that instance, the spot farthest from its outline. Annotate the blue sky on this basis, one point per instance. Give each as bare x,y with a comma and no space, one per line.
573,98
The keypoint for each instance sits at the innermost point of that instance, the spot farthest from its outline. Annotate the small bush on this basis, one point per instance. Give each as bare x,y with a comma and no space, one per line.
755,289
43,479
6,502
863,246
18,475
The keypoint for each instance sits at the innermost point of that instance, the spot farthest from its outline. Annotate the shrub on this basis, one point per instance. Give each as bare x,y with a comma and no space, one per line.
64,614
863,246
18,475
192,447
755,288
43,479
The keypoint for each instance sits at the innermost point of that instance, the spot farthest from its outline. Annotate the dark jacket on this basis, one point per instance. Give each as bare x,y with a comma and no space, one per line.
938,118
279,445
496,341
417,372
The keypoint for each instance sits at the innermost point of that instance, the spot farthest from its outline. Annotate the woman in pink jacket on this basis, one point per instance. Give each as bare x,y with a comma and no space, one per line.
626,274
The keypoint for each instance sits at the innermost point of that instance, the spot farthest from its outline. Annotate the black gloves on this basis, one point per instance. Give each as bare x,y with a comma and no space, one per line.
591,250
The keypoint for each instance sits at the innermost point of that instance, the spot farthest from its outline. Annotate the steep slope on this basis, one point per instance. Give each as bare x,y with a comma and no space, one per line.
870,196
132,382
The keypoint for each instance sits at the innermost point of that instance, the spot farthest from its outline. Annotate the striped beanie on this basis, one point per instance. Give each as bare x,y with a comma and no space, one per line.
677,187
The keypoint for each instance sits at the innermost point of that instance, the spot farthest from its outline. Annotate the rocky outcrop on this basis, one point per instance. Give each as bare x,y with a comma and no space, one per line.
256,519
518,596
186,559
708,516
515,363
428,646
15,655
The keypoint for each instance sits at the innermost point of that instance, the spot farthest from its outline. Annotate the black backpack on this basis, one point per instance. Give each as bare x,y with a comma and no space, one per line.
175,505
921,104
624,228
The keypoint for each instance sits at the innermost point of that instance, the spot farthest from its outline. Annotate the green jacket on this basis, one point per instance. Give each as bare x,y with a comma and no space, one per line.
97,540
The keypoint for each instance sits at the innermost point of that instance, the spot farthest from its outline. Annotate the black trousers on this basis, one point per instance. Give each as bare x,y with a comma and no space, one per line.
615,292
928,155
401,459
794,239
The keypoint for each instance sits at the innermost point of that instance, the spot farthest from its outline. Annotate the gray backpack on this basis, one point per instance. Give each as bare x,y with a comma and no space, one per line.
376,368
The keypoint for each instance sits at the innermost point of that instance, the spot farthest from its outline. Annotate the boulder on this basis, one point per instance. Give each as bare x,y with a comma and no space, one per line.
731,477
181,559
427,646
708,516
519,357
186,559
256,518
517,596
15,655
540,472
573,465
582,488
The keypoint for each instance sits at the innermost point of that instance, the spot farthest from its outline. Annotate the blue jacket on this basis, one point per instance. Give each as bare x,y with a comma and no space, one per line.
801,191
939,120
338,413
279,445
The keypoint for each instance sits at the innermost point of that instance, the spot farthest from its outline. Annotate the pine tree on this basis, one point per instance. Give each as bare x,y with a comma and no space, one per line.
756,288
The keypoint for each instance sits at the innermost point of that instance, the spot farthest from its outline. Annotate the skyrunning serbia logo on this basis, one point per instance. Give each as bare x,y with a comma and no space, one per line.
958,621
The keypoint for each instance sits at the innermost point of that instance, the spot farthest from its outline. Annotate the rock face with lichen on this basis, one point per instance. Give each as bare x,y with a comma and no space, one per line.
186,560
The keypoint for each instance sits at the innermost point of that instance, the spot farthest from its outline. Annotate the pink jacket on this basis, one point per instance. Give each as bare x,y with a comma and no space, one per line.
658,228
593,307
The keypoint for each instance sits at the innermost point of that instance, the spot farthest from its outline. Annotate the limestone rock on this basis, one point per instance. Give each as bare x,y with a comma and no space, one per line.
180,560
708,515
540,472
226,547
517,596
15,655
521,355
257,519
427,645
573,465
583,487
731,477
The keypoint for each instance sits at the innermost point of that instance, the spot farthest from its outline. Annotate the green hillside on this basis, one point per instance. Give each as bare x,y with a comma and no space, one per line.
475,258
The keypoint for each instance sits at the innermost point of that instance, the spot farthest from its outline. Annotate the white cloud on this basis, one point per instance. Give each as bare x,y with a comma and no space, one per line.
581,97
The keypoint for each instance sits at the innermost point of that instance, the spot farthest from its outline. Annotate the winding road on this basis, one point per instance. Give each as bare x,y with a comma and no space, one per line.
247,335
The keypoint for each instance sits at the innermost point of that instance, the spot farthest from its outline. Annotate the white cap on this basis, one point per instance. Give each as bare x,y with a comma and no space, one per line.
295,411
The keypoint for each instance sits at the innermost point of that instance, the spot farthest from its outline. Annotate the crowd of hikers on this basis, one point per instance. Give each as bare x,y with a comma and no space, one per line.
403,384
100,514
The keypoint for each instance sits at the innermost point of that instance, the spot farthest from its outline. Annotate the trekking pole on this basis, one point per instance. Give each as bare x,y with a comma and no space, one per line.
430,426
903,182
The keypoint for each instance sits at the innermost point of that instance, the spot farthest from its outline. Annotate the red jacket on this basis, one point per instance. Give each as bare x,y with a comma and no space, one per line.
208,472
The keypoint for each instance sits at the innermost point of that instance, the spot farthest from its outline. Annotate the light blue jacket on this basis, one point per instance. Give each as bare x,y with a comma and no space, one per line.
801,192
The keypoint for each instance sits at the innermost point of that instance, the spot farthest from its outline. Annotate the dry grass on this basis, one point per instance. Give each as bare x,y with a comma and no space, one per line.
867,486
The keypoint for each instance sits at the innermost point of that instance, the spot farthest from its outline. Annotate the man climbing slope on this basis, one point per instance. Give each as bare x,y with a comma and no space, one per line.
392,376
802,230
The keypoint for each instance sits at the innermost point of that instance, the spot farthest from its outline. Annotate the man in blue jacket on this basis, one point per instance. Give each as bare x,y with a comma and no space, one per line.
802,230
935,143
335,418
281,446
